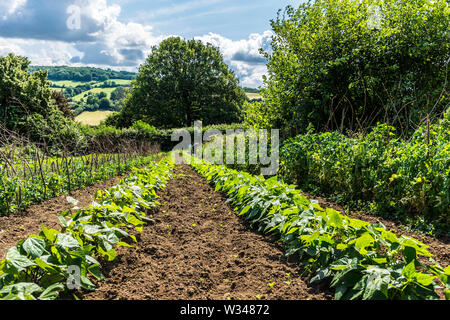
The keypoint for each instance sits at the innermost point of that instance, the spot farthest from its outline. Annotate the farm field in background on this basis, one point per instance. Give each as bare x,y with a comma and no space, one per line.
92,118
253,96
93,91
69,83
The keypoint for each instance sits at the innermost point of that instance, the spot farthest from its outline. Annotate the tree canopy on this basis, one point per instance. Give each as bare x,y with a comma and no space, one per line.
28,107
348,64
22,93
181,82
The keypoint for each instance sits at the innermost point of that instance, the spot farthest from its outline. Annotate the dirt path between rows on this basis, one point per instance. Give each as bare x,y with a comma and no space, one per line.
20,225
199,249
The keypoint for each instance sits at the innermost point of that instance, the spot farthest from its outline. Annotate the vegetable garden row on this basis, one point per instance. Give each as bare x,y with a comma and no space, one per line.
359,260
40,266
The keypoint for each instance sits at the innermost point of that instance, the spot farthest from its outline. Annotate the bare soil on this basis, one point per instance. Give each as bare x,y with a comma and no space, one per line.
199,249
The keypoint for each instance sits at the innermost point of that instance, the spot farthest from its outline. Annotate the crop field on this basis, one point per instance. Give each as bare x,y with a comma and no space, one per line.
151,219
92,118
93,91
306,162
69,83
252,96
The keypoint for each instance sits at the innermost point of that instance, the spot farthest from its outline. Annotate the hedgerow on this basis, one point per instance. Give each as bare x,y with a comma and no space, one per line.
379,172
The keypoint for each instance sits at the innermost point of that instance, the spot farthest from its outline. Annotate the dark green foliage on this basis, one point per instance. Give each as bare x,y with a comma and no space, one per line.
84,74
183,81
119,94
104,104
62,103
350,64
143,132
378,172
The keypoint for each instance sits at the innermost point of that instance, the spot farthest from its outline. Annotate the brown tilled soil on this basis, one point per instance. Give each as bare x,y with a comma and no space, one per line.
198,249
22,224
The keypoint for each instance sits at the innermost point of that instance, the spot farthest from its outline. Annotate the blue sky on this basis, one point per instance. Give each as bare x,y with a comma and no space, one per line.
119,34
233,19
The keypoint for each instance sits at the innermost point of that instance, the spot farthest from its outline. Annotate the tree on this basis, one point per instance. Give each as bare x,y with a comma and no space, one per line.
118,94
104,104
63,104
348,64
183,81
26,107
102,95
21,93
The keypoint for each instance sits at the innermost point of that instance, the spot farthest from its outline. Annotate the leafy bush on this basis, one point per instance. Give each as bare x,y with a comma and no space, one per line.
379,171
348,64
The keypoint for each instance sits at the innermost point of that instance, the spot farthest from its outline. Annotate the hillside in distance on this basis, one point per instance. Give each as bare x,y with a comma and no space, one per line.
82,74
94,93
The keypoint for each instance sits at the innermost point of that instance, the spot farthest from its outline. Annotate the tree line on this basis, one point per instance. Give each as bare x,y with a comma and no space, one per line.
82,74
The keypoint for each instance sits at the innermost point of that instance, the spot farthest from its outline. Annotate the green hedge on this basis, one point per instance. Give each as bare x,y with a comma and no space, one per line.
141,131
378,172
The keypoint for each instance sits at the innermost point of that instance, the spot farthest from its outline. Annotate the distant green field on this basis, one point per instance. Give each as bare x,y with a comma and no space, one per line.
93,118
73,84
70,83
94,91
119,82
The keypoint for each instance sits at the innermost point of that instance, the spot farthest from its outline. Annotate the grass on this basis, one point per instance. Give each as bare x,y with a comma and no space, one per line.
119,82
93,118
70,83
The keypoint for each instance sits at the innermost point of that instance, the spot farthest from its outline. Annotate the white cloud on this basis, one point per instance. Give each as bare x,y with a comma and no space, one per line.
243,55
9,7
104,41
39,52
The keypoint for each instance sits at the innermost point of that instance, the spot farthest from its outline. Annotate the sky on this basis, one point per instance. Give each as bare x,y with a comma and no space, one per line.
119,34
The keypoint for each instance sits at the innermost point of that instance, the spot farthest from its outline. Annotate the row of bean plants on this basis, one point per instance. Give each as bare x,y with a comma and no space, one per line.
359,260
40,267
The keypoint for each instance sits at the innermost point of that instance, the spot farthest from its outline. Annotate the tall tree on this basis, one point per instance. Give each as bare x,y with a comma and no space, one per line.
22,93
181,82
348,64
63,104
